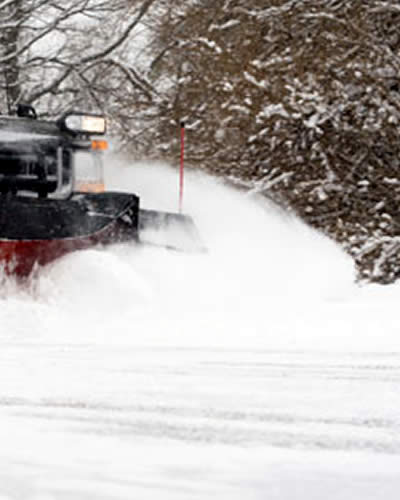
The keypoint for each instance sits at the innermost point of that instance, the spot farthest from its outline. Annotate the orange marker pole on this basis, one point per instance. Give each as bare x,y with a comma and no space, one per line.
181,170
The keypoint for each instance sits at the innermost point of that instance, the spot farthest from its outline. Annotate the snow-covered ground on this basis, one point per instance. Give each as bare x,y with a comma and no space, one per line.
256,371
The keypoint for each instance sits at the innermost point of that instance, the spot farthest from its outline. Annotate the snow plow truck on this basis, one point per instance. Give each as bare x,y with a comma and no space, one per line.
46,210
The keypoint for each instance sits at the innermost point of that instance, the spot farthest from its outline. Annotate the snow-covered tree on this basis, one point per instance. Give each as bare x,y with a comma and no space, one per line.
299,98
74,53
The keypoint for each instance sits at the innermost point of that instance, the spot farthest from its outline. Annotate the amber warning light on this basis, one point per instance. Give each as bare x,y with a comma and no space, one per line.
99,145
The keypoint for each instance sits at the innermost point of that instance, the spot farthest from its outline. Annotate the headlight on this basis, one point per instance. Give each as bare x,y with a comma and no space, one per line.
81,123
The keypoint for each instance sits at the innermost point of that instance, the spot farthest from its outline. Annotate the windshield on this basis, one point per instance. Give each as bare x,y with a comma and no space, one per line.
33,164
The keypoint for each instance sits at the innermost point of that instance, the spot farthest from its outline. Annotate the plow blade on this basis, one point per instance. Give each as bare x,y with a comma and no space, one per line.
169,230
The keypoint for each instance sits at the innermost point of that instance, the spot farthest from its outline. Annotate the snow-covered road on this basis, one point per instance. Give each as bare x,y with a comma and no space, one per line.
256,371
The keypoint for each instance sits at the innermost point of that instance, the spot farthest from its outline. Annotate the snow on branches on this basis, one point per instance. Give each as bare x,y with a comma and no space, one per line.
302,97
75,53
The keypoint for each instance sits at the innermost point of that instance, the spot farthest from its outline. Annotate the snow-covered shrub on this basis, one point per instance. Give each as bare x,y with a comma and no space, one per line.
300,99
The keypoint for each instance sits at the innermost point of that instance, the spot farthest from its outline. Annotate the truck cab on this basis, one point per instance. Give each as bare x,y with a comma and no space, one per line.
39,158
